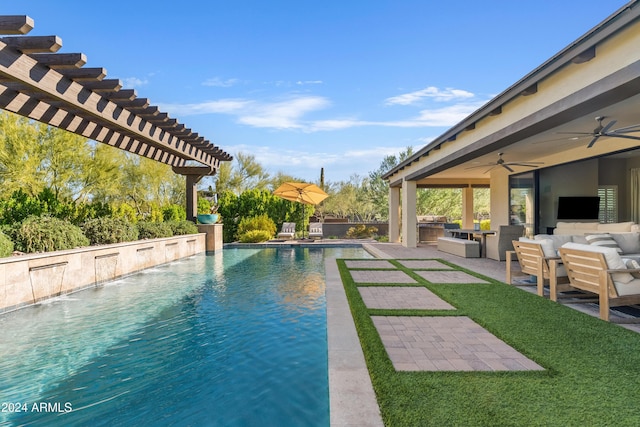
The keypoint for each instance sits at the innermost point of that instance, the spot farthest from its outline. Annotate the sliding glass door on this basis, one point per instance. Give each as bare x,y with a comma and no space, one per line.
523,201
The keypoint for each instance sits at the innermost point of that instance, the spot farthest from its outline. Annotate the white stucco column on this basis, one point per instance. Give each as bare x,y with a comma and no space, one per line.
467,207
394,214
409,220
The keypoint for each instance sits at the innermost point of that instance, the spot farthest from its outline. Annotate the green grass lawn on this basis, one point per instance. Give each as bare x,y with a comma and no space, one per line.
591,377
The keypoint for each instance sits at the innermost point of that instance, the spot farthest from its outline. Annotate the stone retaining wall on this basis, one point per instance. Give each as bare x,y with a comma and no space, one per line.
27,279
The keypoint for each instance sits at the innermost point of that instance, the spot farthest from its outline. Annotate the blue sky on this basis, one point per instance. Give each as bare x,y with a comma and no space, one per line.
303,85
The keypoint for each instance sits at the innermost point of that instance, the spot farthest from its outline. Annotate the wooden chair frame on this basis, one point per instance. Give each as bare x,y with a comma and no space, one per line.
533,262
588,271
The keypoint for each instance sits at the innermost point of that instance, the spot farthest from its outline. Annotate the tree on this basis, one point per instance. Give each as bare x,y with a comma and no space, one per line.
19,156
244,173
377,189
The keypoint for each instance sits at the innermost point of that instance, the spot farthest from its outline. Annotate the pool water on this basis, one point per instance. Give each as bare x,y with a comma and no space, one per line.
232,339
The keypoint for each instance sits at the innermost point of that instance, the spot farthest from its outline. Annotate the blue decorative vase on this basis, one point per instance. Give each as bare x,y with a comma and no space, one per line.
208,218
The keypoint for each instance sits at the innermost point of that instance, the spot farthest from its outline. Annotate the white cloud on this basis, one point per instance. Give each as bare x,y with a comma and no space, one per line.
309,82
431,92
224,106
218,82
447,116
133,82
284,114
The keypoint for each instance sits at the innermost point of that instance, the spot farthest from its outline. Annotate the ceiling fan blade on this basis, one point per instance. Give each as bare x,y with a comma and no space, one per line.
526,164
627,129
565,139
605,129
573,133
484,165
593,141
504,165
487,171
614,135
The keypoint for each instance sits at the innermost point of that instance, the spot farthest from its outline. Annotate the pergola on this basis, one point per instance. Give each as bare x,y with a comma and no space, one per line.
54,88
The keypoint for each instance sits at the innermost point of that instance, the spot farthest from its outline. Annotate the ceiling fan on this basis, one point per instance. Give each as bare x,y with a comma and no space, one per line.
601,131
506,165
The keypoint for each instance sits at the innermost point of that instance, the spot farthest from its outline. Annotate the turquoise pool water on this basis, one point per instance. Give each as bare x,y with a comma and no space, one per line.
232,339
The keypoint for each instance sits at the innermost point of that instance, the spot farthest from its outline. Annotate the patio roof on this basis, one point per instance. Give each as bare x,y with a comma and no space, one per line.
597,75
53,88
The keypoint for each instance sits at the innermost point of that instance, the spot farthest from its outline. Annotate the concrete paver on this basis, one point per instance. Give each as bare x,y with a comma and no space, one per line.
427,263
369,263
449,343
396,297
387,276
449,277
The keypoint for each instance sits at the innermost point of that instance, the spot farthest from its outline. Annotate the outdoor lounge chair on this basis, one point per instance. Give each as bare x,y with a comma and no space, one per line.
315,230
288,230
601,271
535,262
500,243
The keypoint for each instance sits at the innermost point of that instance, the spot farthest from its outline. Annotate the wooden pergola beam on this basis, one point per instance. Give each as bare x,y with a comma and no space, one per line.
18,24
58,61
84,74
34,44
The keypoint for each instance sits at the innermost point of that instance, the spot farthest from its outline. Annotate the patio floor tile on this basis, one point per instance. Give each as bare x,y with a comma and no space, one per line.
370,263
449,277
450,343
424,264
402,298
372,276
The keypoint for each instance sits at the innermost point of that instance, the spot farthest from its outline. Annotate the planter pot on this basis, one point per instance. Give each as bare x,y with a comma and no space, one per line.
208,218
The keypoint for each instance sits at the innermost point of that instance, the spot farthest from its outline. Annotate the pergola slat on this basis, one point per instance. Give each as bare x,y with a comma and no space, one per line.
34,44
60,60
82,74
17,24
107,85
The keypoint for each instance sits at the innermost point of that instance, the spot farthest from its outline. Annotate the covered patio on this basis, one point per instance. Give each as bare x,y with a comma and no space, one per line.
571,127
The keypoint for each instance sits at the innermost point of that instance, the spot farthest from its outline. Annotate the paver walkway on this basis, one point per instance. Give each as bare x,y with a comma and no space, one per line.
430,343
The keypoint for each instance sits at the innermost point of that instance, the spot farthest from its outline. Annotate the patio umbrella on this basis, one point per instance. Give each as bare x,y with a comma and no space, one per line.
301,192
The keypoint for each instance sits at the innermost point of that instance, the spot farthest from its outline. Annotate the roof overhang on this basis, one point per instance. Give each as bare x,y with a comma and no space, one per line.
602,68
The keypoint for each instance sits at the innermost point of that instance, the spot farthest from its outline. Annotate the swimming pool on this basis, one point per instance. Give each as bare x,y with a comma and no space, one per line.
232,339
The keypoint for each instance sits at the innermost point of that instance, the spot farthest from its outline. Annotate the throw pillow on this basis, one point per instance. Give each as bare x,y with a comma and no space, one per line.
603,240
632,263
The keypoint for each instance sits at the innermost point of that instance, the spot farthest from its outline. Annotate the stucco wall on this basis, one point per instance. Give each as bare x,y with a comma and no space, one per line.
27,279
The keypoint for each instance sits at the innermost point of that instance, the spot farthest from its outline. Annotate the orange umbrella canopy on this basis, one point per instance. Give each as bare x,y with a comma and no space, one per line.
302,192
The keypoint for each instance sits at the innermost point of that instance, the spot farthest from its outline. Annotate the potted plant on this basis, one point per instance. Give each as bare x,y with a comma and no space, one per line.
208,214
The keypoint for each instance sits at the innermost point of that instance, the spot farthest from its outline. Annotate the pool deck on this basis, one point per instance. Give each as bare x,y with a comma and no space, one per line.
351,395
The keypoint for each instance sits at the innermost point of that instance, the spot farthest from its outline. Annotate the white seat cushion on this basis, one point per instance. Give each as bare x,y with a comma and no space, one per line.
611,256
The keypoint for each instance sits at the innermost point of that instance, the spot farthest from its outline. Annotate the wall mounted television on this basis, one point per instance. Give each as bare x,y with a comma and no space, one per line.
578,208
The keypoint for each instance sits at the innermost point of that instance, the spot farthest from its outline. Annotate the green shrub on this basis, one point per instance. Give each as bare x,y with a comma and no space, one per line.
174,213
255,236
204,206
361,231
43,234
125,211
258,222
153,230
6,245
107,230
180,228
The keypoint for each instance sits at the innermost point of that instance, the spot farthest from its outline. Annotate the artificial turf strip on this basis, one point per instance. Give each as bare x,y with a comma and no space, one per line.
592,375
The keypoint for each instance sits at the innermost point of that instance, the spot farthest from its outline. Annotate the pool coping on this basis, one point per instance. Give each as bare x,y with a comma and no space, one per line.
352,400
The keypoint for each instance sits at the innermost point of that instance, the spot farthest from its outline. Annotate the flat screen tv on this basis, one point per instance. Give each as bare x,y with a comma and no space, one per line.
578,208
